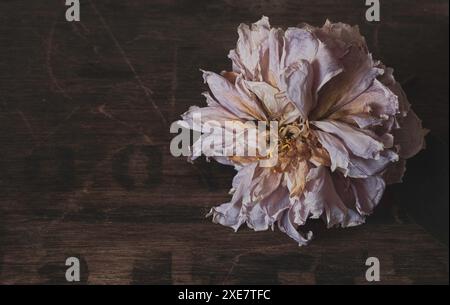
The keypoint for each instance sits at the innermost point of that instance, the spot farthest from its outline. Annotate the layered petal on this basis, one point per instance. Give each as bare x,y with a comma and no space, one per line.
359,69
339,155
233,98
300,45
321,195
251,48
357,141
287,225
297,81
230,214
371,108
368,193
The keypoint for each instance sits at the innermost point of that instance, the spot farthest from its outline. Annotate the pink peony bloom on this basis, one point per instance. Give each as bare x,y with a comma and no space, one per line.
345,127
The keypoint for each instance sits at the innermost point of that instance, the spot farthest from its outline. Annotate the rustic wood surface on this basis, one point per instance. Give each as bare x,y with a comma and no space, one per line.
85,168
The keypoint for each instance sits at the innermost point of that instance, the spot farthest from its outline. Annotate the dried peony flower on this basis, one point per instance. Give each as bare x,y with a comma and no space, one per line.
345,127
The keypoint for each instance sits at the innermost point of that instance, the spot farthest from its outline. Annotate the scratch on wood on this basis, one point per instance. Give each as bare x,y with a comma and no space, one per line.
52,132
102,109
48,62
128,62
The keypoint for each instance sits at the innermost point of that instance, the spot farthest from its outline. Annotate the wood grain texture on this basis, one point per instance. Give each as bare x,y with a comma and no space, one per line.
85,168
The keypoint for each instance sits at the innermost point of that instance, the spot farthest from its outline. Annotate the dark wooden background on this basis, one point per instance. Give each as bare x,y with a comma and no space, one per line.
85,168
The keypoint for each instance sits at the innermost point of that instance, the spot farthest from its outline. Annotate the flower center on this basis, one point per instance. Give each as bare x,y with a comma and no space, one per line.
297,144
292,136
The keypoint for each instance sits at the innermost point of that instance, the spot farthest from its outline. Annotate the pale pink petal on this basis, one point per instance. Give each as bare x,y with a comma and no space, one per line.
325,66
286,224
300,209
297,81
387,79
230,98
374,106
269,210
246,57
321,194
229,214
359,143
267,95
336,149
205,114
362,168
275,49
368,193
265,183
300,45
359,69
